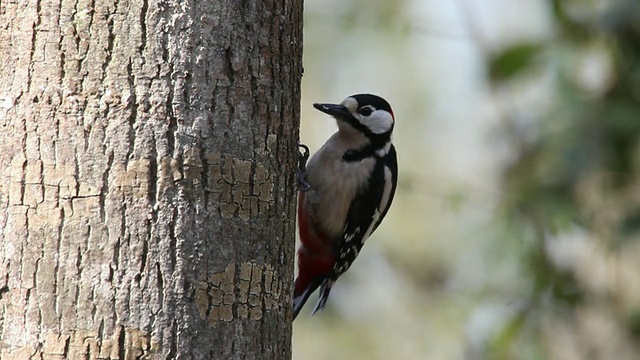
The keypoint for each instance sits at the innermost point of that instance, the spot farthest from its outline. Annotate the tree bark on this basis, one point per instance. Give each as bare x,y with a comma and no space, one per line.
147,178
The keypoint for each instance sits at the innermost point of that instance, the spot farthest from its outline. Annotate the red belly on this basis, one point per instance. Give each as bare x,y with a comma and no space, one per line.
315,255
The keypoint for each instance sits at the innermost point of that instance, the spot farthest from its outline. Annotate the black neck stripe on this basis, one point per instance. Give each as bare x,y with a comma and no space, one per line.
360,154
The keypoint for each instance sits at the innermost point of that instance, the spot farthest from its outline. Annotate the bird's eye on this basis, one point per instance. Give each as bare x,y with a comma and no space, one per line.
365,110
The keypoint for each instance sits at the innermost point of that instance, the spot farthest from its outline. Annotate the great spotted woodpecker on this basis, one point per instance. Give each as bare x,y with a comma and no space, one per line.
350,182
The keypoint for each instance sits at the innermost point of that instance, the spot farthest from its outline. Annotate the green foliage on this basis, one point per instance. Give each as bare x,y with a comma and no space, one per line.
634,324
383,15
630,225
499,348
513,61
582,169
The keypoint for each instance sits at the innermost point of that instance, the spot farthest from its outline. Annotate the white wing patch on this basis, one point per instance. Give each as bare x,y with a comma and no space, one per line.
385,150
384,202
348,238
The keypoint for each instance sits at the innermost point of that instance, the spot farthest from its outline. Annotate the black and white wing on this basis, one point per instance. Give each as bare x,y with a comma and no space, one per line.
367,211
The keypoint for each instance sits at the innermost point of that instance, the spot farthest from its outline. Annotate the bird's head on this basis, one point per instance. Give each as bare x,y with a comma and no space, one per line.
366,114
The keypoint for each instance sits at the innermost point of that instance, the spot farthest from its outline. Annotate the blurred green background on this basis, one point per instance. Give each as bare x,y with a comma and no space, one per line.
515,233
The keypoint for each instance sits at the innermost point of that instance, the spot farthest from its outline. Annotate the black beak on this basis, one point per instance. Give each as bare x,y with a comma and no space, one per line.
333,110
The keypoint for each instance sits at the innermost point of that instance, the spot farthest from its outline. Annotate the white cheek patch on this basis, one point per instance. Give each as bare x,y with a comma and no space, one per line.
378,122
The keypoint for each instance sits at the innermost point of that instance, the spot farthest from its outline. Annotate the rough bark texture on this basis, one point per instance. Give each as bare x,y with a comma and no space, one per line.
147,153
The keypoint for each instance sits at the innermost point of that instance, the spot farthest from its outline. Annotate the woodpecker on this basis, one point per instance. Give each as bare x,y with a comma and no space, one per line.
349,185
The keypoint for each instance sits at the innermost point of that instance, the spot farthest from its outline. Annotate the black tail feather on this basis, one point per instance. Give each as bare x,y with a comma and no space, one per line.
300,300
325,289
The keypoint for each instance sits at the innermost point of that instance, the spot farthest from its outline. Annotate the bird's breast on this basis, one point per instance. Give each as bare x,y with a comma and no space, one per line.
334,183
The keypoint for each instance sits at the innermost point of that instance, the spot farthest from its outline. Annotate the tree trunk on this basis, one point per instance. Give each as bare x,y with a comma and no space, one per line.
147,178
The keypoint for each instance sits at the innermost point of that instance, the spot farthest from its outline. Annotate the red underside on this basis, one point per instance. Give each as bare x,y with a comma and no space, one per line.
315,255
